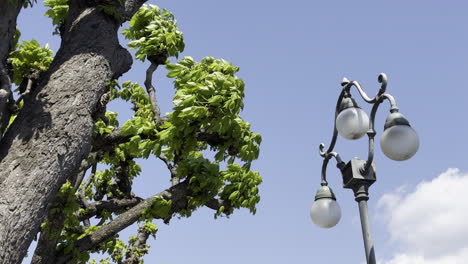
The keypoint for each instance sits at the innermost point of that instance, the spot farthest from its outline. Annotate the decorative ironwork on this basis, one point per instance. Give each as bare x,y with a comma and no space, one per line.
376,101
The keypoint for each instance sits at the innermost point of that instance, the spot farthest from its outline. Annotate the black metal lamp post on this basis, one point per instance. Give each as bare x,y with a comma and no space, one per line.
398,142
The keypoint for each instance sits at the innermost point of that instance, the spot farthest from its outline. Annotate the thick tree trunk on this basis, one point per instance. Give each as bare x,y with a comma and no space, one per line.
51,135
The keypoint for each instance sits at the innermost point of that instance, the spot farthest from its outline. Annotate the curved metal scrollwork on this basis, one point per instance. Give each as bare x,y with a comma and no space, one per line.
376,101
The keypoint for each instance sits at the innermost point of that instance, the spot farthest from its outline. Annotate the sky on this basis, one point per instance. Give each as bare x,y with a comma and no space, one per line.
292,56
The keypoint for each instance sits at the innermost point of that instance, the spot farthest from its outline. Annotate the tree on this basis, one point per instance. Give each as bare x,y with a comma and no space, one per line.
55,131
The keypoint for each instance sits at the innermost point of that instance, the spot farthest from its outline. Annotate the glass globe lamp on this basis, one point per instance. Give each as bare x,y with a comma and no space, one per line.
399,140
352,122
325,211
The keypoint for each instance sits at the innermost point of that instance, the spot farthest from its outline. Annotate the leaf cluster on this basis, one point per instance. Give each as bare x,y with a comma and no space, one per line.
65,206
58,12
28,57
241,189
207,103
154,33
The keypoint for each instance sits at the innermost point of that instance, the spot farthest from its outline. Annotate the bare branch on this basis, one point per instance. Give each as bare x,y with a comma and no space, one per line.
111,205
172,168
152,93
82,190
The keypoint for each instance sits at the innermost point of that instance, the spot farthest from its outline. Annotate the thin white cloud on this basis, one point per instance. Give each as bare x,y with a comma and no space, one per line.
429,223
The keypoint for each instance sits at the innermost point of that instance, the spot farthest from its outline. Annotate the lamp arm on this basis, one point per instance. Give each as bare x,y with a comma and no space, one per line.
347,88
339,163
345,92
371,135
376,101
383,86
335,131
371,132
391,100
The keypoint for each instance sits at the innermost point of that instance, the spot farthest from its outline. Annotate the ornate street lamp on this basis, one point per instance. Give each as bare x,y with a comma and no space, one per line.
398,142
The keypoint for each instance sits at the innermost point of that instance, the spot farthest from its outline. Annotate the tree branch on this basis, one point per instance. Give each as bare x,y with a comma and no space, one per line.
108,142
152,93
140,248
172,168
131,6
215,204
177,194
45,251
122,187
85,165
111,205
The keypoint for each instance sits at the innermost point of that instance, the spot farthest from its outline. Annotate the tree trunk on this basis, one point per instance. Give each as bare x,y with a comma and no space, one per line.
8,13
51,135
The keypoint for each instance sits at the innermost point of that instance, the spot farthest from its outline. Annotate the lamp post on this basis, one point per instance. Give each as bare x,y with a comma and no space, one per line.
398,142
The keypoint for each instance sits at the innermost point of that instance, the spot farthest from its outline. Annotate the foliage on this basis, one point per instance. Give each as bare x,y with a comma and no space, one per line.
65,206
29,57
154,32
205,122
58,12
158,209
241,188
16,38
208,99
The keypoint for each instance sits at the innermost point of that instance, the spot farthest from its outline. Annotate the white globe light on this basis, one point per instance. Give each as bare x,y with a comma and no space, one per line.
399,142
325,212
352,123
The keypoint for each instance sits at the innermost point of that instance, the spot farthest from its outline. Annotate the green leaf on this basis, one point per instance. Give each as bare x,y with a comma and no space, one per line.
29,57
58,12
154,32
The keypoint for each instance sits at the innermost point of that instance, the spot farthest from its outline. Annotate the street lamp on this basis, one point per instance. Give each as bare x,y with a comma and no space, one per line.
399,142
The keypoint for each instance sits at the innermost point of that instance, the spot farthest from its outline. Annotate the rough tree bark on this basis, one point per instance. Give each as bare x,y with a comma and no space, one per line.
51,135
9,11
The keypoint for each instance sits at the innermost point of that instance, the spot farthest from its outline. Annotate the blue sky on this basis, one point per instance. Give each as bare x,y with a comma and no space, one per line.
292,56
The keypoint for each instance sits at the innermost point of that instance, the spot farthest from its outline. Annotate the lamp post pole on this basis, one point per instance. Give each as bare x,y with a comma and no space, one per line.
361,196
398,142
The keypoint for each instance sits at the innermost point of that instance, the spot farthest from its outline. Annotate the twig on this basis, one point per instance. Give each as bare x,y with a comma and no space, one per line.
172,168
82,193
